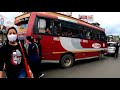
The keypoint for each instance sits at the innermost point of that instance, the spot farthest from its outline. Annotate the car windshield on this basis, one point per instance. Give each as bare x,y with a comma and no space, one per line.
111,44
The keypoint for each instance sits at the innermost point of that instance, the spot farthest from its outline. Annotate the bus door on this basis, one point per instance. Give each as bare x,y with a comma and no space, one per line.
43,31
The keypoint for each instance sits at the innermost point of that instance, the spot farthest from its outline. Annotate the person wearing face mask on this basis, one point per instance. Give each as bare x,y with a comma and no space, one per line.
11,55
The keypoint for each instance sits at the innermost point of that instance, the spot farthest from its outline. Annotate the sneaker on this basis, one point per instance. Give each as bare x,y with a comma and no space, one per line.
41,75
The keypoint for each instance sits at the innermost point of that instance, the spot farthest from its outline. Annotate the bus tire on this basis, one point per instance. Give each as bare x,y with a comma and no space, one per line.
101,55
67,61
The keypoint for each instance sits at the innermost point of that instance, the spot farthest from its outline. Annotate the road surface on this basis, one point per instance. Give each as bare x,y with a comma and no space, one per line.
109,67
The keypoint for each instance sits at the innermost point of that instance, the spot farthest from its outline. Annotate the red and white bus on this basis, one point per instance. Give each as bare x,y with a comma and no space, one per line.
68,39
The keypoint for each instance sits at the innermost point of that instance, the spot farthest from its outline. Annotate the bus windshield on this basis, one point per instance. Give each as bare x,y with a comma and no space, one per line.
22,25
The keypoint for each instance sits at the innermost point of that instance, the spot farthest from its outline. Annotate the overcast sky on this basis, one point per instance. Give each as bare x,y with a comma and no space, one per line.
108,20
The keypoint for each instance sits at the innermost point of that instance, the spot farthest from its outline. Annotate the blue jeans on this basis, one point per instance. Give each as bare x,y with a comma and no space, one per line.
22,74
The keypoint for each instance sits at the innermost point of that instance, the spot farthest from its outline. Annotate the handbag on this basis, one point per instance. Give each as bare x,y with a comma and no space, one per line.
27,67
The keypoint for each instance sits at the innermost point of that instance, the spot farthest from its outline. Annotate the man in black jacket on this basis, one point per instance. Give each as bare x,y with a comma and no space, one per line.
117,49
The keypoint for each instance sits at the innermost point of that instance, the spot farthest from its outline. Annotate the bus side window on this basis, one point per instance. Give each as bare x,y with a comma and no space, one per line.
91,35
81,32
99,37
48,29
44,26
94,36
81,35
84,34
57,28
65,29
103,37
88,35
41,25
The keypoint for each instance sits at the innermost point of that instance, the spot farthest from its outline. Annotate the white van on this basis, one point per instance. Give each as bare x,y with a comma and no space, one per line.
111,47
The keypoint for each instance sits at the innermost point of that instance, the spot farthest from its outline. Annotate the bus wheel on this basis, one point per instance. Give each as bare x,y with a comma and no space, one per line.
66,61
101,55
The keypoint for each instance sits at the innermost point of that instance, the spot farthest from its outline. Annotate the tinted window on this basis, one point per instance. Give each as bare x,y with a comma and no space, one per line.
111,44
69,29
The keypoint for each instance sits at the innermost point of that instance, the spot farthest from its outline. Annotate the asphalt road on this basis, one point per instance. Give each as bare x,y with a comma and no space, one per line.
109,67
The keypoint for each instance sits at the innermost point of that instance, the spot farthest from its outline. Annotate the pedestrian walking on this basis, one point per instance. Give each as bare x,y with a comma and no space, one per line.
33,57
117,50
37,41
12,57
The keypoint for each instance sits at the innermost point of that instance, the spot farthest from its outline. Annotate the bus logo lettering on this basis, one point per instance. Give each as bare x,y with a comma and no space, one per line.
96,45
